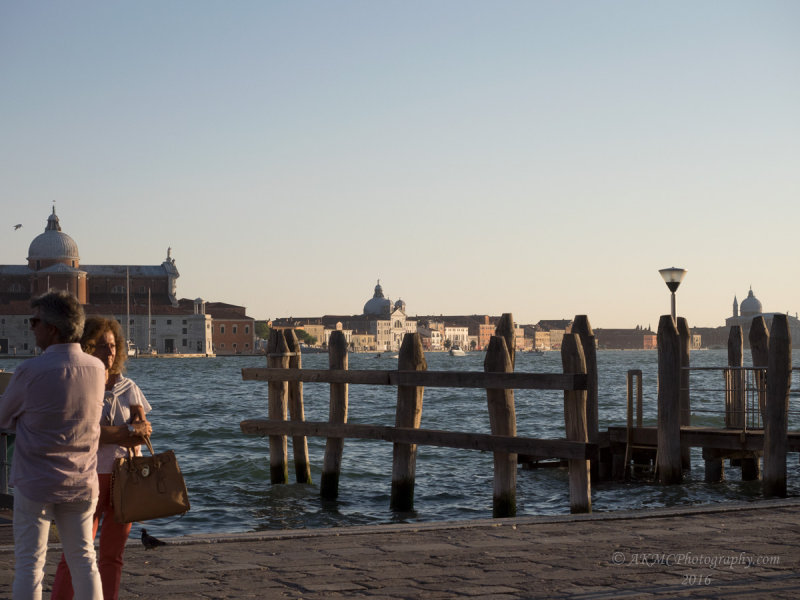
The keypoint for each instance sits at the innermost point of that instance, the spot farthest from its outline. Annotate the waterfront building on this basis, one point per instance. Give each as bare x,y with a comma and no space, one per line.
432,340
362,342
143,298
541,340
751,307
626,339
232,331
456,336
555,329
379,328
485,333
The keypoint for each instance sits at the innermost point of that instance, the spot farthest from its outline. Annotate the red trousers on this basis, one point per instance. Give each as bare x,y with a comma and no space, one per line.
113,537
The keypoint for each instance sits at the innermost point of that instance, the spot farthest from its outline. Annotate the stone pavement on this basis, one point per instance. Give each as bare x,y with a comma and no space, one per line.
720,551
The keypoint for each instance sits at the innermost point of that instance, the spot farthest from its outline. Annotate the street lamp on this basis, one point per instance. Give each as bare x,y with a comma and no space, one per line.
673,277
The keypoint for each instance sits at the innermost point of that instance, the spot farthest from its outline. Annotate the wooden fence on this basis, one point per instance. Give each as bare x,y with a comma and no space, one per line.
286,377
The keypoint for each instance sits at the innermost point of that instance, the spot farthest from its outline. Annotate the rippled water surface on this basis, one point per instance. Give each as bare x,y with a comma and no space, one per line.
199,403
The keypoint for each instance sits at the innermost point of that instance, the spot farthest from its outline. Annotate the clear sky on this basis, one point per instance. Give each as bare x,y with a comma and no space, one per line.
536,157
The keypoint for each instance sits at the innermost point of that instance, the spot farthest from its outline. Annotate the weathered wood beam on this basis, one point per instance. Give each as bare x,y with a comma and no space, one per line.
557,448
453,379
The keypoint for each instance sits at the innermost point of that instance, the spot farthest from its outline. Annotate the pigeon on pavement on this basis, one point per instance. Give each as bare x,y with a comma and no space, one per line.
149,541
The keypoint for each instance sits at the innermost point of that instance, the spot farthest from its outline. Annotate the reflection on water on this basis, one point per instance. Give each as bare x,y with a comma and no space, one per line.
199,403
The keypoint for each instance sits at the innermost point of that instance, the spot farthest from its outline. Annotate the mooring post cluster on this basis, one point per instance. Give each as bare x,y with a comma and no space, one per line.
771,381
285,375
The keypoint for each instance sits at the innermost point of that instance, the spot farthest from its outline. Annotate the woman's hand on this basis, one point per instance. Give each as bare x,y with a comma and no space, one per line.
140,429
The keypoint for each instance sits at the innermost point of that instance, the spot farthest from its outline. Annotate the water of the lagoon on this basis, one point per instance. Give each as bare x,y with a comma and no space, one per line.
199,403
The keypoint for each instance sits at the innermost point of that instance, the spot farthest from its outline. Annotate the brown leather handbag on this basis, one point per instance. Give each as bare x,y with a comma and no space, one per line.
148,487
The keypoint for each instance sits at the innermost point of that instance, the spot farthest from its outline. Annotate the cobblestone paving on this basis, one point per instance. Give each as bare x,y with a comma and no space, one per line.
741,551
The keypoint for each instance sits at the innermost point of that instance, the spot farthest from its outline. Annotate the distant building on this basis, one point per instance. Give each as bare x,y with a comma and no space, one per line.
751,308
143,298
233,332
626,339
380,328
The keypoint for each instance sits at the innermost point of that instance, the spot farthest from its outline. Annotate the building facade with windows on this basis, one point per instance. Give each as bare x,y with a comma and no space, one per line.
143,298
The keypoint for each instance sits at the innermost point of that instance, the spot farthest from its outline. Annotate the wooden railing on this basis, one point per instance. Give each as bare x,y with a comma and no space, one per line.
286,377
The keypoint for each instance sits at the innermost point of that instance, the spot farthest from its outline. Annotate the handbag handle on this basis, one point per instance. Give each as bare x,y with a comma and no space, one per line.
149,447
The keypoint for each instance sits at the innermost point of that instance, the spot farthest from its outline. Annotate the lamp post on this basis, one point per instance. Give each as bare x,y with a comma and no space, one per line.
673,277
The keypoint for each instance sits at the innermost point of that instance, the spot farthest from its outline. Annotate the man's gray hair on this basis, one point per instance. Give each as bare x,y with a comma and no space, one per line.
63,311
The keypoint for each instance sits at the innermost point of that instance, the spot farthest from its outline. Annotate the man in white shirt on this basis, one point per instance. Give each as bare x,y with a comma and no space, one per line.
53,402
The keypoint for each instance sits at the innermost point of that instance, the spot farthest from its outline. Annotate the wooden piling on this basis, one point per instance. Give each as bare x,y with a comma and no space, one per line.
409,414
505,329
685,336
669,423
278,358
779,376
332,464
574,361
735,401
302,469
503,421
759,350
582,327
714,467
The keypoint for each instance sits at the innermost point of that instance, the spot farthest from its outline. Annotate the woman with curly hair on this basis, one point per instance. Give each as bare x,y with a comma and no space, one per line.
123,425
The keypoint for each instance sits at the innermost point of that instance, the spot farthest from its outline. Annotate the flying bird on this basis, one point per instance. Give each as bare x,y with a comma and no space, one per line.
17,226
149,541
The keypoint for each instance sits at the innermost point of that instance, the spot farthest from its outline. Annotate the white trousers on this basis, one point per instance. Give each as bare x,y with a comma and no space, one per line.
31,530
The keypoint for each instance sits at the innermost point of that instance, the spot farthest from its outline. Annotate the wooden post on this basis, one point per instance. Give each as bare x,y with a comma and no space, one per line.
779,378
734,384
573,361
505,329
685,335
759,349
714,466
409,414
332,464
503,421
278,358
582,327
302,470
669,418
754,417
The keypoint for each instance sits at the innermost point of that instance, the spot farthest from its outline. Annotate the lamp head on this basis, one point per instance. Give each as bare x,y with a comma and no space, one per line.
672,277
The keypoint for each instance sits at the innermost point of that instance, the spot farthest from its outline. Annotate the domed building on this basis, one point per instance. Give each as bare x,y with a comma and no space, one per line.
378,306
385,321
54,262
143,298
750,308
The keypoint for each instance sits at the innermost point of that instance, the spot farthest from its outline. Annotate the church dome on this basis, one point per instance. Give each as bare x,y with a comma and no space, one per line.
751,305
378,305
53,243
